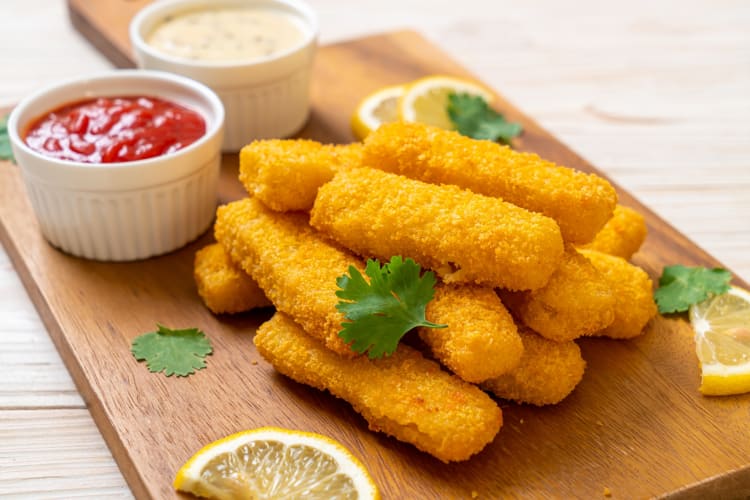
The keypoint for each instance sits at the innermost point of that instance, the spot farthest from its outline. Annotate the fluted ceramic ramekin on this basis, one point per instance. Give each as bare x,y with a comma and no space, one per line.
264,97
129,210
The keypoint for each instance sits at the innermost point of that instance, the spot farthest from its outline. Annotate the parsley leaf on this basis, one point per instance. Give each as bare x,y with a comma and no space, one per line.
175,352
6,153
382,311
681,286
473,117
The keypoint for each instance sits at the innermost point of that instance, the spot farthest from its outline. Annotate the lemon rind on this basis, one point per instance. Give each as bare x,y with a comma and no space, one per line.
719,379
462,84
363,122
185,480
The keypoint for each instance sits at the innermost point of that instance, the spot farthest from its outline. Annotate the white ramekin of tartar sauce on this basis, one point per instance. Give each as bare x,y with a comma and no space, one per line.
256,55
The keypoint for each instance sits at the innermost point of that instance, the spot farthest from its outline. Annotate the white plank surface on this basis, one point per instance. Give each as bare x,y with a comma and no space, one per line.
56,453
656,94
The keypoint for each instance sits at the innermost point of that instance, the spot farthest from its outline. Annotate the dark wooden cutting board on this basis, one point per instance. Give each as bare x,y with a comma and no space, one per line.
636,425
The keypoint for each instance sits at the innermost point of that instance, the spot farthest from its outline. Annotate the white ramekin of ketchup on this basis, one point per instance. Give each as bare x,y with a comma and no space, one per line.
257,55
120,166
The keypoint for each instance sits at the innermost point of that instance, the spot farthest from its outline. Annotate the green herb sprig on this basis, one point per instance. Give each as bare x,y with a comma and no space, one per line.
6,153
681,286
473,117
174,352
381,312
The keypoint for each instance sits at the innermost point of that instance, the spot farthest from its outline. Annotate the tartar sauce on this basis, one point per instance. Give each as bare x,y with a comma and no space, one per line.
227,33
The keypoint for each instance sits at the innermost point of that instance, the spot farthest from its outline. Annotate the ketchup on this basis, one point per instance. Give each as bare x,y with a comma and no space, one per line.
115,129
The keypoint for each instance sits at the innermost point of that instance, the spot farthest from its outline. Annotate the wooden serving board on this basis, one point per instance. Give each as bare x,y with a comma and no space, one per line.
636,425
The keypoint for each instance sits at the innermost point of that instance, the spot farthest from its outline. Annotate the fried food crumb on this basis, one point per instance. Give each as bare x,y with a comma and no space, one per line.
577,300
285,174
222,286
622,235
607,492
547,374
633,291
474,494
404,395
481,341
581,203
463,236
272,247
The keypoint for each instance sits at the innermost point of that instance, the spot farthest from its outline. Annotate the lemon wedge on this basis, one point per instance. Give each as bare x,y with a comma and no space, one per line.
377,108
722,338
426,100
271,462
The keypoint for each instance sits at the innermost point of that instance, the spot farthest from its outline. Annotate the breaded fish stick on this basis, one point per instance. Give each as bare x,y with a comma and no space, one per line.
580,203
633,291
403,395
622,235
481,340
224,287
286,174
578,300
293,264
463,236
547,374
299,270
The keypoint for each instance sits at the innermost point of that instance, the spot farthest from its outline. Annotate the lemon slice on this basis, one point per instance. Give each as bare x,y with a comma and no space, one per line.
270,462
377,108
722,338
426,100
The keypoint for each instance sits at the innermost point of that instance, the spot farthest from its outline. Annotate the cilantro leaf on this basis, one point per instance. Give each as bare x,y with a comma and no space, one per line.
474,118
382,311
175,352
6,153
681,286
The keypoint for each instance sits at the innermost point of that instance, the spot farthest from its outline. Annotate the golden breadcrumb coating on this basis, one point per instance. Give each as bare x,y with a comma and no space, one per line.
580,203
403,395
578,300
285,174
622,235
463,236
633,291
224,287
547,374
481,340
347,155
293,264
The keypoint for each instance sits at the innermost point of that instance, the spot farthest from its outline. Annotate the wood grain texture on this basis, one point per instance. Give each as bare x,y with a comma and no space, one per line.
637,413
105,25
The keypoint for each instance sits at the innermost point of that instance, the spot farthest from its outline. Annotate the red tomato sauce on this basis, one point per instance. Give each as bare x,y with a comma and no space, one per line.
115,129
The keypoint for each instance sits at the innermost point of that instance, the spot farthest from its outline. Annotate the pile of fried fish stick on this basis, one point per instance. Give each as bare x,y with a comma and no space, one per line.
529,256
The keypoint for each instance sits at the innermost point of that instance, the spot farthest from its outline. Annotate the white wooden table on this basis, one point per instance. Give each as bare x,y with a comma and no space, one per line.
654,93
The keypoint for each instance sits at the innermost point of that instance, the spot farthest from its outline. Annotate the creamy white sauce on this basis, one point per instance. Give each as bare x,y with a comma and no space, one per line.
227,33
